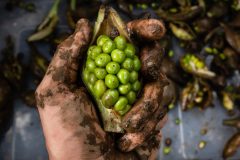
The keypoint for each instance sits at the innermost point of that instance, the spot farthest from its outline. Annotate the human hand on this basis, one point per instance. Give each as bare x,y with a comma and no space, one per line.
69,120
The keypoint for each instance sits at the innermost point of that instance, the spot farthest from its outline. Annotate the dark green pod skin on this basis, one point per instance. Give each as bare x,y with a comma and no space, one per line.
231,146
232,122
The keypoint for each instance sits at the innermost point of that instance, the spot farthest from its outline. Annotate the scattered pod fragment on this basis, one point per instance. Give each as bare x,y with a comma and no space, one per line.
204,25
172,71
48,24
218,9
232,59
182,31
186,14
194,65
232,37
197,93
235,122
124,6
78,9
229,96
231,146
227,101
191,46
12,66
235,22
236,5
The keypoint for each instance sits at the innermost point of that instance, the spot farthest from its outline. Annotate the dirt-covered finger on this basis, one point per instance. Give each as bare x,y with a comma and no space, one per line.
133,140
151,56
65,63
147,29
144,108
149,150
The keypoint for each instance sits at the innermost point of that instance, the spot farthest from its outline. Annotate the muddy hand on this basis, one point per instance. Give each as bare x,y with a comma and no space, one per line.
70,125
144,121
68,117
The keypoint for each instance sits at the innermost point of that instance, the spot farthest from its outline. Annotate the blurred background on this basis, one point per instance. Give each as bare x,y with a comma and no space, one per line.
202,61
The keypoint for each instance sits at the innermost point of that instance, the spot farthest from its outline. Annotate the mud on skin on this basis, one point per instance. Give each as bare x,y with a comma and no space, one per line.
145,106
151,57
77,113
147,29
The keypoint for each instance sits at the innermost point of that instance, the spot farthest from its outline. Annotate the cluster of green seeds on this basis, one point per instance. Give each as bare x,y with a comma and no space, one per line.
190,61
111,72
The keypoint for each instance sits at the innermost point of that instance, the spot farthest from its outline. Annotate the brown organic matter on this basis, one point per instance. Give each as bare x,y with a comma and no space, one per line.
231,146
151,57
147,29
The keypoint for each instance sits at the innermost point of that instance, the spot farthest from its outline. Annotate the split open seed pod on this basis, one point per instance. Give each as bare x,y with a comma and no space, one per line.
110,25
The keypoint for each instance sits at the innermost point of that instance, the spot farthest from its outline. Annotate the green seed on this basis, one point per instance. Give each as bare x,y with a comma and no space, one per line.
108,46
118,56
130,50
202,144
170,106
92,78
121,104
89,52
170,53
208,50
128,64
173,10
222,56
110,97
111,81
100,73
133,76
136,86
123,76
120,42
102,39
102,60
215,51
99,88
177,121
166,150
90,64
125,110
124,88
86,75
96,50
113,67
199,64
136,63
131,96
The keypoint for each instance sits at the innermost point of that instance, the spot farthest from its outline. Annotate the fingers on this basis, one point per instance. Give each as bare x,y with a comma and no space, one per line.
144,108
151,57
133,140
147,29
149,150
65,63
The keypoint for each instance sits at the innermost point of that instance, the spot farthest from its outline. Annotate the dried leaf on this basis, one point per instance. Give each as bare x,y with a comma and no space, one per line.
232,37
